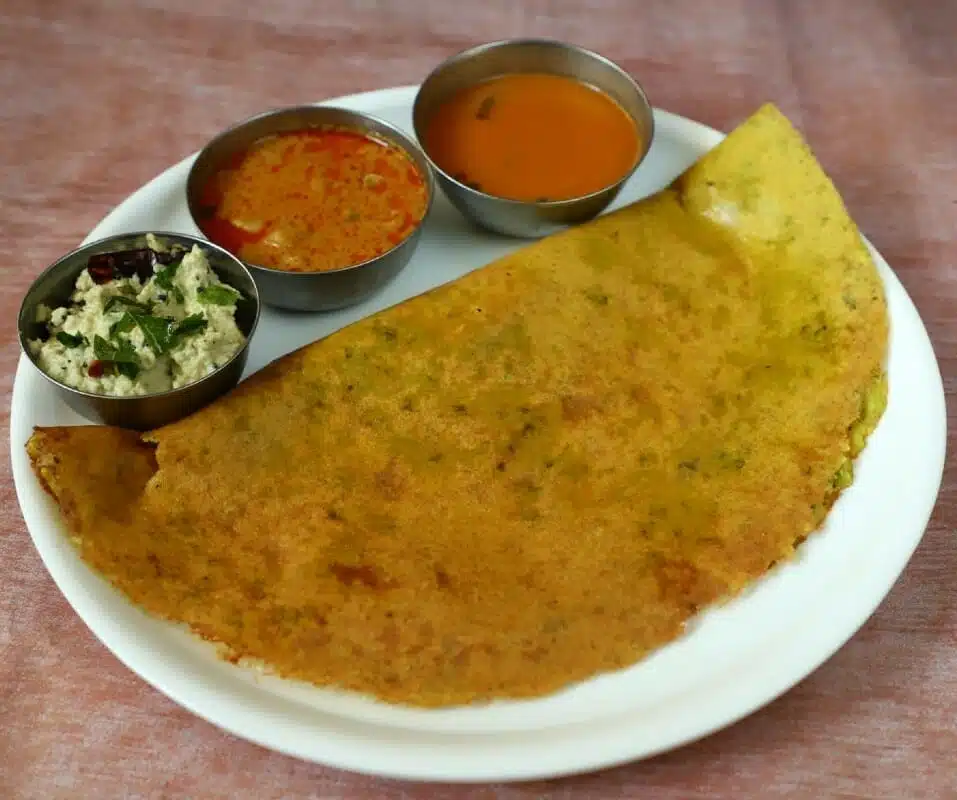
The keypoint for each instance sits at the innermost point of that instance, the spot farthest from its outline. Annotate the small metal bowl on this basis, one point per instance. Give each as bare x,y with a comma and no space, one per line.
329,289
487,61
143,412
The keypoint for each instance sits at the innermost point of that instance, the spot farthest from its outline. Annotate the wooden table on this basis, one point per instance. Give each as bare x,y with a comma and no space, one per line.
99,96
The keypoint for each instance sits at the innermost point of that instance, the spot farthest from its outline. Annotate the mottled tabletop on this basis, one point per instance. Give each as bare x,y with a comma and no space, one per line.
101,96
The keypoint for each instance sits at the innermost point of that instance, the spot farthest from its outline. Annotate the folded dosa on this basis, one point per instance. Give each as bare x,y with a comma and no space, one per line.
534,474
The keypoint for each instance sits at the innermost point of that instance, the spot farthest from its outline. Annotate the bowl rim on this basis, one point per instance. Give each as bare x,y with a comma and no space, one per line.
475,50
396,137
196,240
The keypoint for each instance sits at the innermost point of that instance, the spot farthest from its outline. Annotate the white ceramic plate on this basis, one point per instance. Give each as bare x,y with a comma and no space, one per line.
733,661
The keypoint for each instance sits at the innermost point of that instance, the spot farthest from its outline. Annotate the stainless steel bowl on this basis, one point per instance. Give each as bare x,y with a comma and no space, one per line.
479,64
54,287
329,289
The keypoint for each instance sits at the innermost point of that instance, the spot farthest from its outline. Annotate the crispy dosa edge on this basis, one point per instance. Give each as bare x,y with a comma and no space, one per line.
726,187
679,585
96,475
69,462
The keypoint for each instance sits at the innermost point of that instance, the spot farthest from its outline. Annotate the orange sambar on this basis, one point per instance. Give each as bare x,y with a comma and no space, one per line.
313,200
533,137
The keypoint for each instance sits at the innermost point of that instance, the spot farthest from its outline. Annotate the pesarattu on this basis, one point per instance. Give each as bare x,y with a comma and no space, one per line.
532,475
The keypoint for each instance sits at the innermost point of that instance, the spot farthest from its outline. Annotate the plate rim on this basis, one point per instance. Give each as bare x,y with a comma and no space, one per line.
351,751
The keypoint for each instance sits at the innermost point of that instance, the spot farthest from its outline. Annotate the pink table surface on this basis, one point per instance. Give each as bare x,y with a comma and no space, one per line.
98,97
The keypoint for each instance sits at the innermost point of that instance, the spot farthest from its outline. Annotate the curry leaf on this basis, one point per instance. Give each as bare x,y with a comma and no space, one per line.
119,352
217,295
128,368
103,349
118,301
123,325
194,323
164,278
125,352
70,340
156,331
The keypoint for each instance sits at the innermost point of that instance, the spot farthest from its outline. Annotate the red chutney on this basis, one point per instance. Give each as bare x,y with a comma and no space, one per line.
314,200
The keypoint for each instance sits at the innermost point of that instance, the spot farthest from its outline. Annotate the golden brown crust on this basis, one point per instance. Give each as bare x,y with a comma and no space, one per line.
531,475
